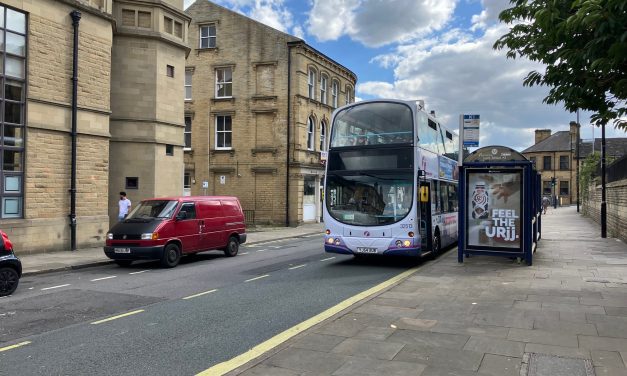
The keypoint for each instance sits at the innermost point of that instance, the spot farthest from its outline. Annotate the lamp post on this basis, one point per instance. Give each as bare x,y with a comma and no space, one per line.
603,197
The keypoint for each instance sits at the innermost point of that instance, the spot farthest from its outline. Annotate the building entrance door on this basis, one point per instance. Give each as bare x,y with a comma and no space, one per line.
309,199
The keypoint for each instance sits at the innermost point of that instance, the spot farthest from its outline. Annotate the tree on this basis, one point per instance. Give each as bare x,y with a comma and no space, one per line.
582,43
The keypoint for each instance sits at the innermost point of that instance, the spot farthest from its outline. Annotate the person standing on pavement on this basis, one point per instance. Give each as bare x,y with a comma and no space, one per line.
545,203
124,206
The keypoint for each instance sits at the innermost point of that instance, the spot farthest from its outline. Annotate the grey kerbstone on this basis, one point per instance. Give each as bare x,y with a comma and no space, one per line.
499,365
368,349
448,358
495,346
367,367
611,359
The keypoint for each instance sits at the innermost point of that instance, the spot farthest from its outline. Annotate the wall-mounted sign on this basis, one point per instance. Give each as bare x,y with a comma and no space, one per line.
223,179
494,209
205,184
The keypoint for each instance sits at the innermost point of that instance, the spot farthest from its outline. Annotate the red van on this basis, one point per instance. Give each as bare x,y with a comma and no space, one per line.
167,228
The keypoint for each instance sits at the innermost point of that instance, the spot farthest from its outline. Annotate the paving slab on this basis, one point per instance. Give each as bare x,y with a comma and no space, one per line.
318,342
495,346
413,337
603,343
499,365
565,327
307,360
569,352
447,358
367,367
611,359
368,349
543,337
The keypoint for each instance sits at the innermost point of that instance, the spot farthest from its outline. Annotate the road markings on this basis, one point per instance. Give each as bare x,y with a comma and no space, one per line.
311,236
261,250
103,278
54,287
256,278
143,271
244,253
200,294
15,346
327,259
117,317
297,266
262,348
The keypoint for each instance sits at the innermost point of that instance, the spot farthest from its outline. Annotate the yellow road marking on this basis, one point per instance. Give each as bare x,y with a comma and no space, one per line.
256,278
255,352
201,294
117,317
15,346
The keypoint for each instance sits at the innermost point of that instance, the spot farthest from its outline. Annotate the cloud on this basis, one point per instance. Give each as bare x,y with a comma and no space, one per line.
376,23
273,13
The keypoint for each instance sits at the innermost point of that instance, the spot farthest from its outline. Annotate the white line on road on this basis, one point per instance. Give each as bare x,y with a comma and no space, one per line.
261,250
297,266
143,271
200,294
100,279
256,278
327,259
244,253
117,317
311,236
54,287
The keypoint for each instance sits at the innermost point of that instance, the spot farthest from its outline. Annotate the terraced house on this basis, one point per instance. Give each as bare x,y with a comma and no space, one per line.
258,107
68,150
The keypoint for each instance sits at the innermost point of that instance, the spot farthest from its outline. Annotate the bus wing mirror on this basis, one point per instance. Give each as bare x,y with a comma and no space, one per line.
424,194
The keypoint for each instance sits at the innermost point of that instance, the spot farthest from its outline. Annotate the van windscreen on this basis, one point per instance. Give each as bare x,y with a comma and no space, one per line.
153,209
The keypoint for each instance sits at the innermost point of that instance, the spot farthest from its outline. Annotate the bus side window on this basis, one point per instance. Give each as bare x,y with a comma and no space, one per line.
435,197
444,197
452,197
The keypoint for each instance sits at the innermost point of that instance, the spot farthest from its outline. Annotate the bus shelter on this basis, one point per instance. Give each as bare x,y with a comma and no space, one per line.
499,204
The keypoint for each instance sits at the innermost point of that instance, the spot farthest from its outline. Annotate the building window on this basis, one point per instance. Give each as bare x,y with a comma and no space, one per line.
178,29
132,183
12,53
169,70
564,187
187,183
188,133
224,132
144,19
312,84
128,17
564,165
208,36
546,188
188,85
323,89
224,82
323,136
310,134
169,149
334,90
349,95
546,163
167,24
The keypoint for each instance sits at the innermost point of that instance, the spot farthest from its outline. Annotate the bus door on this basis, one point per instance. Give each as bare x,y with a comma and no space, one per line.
424,198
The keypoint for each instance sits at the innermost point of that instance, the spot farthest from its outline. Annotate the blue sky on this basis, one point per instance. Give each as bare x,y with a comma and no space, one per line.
439,51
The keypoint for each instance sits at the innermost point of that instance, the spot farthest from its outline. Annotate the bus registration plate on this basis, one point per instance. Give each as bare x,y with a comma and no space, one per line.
366,250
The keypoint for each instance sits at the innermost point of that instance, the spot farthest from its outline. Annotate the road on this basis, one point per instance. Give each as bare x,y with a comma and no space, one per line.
146,320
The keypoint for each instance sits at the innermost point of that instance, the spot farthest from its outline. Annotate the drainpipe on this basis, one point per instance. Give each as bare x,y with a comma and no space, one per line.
76,17
287,158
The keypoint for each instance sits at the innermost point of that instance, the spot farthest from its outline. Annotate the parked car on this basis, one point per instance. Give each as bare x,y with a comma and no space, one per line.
10,266
167,228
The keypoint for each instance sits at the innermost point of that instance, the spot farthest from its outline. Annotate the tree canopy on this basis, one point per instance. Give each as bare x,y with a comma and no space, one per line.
583,45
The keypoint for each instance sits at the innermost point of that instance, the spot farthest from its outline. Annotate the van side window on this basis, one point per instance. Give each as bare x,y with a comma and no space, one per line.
230,208
190,209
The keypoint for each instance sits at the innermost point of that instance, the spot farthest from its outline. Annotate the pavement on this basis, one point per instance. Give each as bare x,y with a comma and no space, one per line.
565,315
39,263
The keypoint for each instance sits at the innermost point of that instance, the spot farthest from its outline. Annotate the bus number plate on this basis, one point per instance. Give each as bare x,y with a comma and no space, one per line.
366,250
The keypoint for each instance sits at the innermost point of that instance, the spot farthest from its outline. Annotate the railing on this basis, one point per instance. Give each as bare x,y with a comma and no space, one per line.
617,170
249,217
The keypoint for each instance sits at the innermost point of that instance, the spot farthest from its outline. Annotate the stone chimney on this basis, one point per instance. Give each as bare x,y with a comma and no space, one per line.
573,128
542,134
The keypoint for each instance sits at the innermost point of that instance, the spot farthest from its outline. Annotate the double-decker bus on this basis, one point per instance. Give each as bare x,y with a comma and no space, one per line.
391,181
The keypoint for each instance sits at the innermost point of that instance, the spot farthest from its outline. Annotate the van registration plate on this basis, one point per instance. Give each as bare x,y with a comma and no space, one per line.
122,250
366,250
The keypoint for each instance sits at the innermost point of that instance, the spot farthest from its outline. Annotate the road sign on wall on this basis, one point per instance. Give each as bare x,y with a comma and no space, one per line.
470,123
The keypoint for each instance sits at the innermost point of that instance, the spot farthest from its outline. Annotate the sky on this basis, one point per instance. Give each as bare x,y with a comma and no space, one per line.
439,51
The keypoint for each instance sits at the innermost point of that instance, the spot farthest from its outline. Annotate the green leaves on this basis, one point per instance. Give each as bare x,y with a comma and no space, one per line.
582,43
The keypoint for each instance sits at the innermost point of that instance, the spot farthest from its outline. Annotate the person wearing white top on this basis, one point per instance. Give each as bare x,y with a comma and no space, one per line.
124,206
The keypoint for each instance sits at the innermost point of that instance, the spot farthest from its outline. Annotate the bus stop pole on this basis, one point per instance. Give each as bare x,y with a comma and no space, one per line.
460,158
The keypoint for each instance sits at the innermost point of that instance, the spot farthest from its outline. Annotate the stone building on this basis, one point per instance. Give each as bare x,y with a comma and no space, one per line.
257,111
128,111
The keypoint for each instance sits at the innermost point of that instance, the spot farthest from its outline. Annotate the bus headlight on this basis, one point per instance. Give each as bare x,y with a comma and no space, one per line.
406,243
330,240
399,243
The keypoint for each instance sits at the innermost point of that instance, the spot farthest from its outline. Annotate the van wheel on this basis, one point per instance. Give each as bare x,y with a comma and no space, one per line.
123,263
8,281
232,247
171,256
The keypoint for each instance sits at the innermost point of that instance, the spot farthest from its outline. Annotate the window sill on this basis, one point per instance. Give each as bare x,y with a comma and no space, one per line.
206,49
223,151
223,99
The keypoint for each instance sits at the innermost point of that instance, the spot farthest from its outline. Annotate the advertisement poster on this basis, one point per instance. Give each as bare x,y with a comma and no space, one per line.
494,209
448,168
